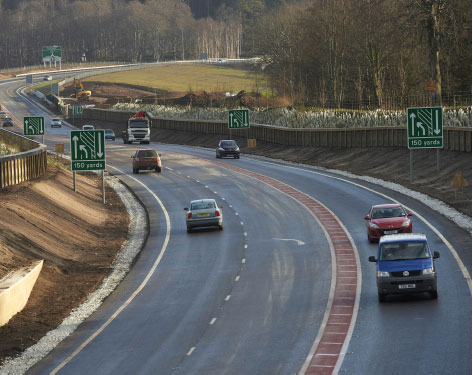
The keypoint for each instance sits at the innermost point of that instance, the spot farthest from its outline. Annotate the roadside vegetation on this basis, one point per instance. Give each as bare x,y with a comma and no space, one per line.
293,118
7,149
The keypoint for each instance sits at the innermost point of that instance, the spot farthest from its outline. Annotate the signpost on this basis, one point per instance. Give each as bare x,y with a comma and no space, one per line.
88,153
55,89
424,130
52,54
33,125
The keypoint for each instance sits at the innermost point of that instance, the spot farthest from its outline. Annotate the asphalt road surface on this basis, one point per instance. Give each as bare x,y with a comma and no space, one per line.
256,297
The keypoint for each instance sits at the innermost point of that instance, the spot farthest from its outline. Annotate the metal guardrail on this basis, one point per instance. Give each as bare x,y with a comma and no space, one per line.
29,163
455,139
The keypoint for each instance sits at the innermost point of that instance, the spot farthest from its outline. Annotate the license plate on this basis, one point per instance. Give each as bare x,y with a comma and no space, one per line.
407,286
207,214
390,231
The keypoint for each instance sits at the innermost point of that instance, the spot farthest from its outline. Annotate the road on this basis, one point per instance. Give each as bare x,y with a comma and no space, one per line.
265,293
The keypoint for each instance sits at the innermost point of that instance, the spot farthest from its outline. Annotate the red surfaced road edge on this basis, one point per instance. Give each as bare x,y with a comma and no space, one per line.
342,308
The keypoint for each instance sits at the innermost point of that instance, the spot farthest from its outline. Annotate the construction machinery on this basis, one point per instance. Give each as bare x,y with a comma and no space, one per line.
79,92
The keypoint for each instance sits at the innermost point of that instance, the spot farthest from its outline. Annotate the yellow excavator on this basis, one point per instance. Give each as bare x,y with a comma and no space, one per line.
81,94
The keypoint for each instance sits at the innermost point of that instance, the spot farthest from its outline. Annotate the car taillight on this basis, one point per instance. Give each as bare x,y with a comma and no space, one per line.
137,159
217,213
189,215
155,160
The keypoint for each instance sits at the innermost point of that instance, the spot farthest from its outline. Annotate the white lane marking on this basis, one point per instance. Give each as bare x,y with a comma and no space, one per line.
169,168
299,242
466,274
236,213
246,246
243,260
237,278
228,297
213,321
241,222
190,350
137,291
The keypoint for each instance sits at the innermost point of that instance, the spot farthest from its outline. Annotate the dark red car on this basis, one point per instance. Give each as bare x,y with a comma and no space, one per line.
146,159
387,219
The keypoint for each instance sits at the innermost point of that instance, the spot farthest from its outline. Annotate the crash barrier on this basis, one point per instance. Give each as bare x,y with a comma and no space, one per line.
15,289
30,162
454,138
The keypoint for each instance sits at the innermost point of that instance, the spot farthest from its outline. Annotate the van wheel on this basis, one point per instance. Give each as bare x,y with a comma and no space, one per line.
189,230
381,297
220,227
434,295
158,170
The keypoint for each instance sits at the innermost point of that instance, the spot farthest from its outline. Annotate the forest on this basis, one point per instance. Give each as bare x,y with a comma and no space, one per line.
329,53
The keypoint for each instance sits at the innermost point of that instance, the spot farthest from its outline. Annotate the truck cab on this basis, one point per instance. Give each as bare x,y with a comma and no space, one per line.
405,264
138,129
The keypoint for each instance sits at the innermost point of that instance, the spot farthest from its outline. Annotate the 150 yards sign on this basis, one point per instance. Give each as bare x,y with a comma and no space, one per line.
87,150
425,127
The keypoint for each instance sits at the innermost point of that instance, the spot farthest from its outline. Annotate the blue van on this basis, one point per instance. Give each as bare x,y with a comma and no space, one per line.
405,264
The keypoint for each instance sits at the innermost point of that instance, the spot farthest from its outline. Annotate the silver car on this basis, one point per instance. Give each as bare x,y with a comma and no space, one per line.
203,213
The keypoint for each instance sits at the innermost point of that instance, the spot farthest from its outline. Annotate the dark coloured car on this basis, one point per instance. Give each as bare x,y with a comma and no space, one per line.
7,121
109,134
146,159
387,219
227,147
405,264
203,213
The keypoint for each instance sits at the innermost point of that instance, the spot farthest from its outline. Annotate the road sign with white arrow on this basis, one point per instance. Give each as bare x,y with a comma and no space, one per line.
33,125
425,127
238,118
87,150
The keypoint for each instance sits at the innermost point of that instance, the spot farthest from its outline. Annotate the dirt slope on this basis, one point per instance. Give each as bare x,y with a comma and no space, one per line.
74,233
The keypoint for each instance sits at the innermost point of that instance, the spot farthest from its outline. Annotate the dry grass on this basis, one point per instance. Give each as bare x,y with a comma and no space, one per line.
185,78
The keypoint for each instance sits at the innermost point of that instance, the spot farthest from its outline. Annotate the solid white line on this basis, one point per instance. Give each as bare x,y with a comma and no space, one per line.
137,291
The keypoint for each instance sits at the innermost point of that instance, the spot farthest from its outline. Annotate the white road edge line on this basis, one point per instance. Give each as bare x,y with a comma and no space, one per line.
135,293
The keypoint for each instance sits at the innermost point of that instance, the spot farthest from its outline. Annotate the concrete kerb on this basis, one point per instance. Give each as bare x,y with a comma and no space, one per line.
138,232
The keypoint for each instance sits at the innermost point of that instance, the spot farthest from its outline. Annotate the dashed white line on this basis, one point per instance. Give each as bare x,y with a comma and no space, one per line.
228,297
243,260
191,350
237,278
213,321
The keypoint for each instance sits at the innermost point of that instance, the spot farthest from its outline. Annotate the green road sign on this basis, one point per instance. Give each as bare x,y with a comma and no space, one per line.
33,125
238,118
425,127
87,150
52,53
77,110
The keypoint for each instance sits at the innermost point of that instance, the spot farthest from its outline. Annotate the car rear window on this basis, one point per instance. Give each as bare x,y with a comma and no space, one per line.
404,250
147,154
202,205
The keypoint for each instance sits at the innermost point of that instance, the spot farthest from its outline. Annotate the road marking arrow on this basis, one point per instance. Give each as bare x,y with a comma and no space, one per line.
99,154
299,242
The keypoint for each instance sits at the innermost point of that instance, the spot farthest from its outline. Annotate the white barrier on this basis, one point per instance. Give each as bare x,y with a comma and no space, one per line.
15,289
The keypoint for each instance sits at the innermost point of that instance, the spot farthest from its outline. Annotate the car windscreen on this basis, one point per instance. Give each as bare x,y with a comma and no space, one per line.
384,213
147,154
202,205
138,124
403,251
108,131
227,144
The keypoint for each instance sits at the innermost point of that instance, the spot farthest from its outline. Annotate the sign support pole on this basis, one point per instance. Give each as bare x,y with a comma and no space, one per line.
411,163
438,160
74,181
103,187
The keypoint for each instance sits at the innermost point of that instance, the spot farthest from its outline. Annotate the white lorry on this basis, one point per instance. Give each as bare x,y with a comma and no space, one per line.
137,129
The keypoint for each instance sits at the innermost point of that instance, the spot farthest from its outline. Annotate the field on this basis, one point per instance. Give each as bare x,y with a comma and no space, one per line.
186,78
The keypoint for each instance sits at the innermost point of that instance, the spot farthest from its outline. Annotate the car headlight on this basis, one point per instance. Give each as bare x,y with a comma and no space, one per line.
237,149
221,149
406,223
383,274
374,226
428,271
